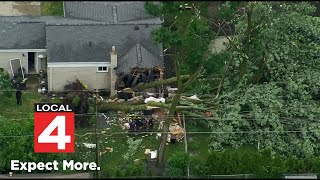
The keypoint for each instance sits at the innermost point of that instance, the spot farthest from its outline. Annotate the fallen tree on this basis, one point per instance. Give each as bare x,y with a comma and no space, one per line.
140,106
143,86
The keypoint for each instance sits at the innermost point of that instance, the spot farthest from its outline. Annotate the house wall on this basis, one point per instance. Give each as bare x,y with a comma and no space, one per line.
58,77
6,56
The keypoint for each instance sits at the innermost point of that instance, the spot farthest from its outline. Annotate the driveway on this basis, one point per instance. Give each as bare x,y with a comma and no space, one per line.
18,8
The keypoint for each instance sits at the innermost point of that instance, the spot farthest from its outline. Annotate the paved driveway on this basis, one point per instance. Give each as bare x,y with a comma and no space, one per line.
18,8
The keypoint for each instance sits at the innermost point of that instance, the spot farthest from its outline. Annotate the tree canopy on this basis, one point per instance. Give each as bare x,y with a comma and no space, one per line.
270,96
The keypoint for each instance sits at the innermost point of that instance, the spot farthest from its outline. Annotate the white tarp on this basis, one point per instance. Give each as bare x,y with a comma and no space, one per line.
162,100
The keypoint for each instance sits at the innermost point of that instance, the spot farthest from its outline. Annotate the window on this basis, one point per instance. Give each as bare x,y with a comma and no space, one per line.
102,69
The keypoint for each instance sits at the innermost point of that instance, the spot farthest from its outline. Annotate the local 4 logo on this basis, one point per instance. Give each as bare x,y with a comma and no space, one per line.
53,128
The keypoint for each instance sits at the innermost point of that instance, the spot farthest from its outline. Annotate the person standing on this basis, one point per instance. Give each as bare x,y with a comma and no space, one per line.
18,95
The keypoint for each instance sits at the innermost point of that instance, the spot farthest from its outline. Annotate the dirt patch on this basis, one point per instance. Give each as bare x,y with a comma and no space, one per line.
32,82
18,8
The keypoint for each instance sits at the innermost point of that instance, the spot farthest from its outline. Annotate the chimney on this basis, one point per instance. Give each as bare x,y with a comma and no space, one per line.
113,76
113,57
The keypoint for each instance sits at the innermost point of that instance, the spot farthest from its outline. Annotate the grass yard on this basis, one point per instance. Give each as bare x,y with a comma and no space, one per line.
52,8
197,143
10,109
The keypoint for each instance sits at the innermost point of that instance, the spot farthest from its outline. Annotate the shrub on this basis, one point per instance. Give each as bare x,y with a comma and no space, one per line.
5,85
75,101
177,164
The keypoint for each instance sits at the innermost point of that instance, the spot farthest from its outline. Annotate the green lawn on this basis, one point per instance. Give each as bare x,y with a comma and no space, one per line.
198,146
10,109
52,8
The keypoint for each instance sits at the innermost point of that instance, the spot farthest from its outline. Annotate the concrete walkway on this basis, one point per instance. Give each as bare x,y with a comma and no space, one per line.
18,8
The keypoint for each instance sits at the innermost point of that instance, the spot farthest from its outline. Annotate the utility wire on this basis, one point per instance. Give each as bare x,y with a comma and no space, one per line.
148,132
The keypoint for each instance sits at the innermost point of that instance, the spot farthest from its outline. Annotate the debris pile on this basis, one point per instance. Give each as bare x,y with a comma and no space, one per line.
138,75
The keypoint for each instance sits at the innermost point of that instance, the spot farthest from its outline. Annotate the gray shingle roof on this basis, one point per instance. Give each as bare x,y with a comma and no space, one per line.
29,32
83,43
138,56
57,20
22,35
107,11
50,20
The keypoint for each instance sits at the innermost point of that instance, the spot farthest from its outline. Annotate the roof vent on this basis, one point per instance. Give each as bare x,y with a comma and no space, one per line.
136,28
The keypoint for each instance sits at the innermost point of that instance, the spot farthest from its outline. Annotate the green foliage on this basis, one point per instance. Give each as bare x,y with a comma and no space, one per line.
249,161
52,8
185,31
228,10
125,170
177,164
5,85
17,143
132,148
76,101
56,100
91,119
281,75
152,8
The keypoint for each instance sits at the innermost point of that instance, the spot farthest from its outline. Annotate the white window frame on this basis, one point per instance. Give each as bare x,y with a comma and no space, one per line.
107,68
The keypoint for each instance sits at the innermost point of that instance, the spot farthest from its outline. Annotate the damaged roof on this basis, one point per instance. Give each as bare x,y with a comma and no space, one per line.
138,56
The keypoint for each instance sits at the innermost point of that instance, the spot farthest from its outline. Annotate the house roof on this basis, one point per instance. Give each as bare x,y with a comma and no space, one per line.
93,43
89,35
107,11
58,20
22,35
138,56
29,32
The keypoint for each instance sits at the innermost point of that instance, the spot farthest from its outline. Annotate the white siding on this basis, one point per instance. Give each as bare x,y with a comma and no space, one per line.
88,75
6,56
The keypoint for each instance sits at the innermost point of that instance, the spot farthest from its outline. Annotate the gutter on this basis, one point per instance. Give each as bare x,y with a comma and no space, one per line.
64,11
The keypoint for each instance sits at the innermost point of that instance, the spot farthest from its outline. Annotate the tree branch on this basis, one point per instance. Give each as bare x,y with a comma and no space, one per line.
143,86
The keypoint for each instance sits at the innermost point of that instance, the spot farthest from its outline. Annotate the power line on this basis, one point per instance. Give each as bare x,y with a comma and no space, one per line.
148,132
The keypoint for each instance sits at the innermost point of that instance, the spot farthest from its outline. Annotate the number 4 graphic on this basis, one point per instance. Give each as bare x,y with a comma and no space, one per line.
61,139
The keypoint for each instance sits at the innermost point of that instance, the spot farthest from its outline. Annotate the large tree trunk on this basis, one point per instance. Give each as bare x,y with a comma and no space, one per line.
164,135
143,86
139,106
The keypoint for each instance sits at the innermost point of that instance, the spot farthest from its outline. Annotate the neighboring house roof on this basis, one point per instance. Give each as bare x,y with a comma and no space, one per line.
22,35
107,11
58,20
49,20
84,43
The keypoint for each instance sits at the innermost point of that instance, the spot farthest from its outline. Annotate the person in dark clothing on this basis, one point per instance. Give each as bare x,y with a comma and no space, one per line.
150,123
139,124
18,96
144,124
173,139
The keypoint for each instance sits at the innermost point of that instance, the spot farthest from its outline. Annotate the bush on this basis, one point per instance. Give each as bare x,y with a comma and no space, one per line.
5,85
261,164
75,101
177,164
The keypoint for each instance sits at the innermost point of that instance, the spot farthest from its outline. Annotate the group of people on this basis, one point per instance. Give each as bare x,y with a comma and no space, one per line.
140,124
